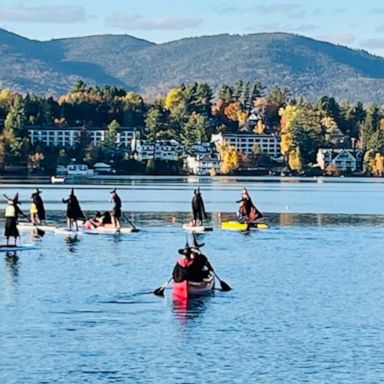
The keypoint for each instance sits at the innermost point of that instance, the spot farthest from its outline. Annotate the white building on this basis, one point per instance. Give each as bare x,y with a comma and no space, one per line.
244,142
342,159
202,165
161,150
79,170
68,136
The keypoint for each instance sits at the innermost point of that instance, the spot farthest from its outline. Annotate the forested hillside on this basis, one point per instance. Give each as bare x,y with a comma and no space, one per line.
307,67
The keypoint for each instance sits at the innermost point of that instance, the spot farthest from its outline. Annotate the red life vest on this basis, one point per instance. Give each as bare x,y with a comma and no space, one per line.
184,262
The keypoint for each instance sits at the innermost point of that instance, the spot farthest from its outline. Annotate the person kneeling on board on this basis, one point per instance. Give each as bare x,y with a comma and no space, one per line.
93,222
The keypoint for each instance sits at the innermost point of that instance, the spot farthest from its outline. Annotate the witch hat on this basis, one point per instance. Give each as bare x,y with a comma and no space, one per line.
16,199
195,243
186,250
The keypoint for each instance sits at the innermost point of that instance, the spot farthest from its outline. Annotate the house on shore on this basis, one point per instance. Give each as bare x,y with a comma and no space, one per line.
344,160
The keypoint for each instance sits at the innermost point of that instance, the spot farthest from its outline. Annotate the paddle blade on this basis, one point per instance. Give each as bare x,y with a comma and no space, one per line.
159,291
224,286
40,232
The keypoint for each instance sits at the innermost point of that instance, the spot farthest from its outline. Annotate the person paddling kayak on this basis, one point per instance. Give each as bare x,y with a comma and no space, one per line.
193,265
74,211
12,212
247,210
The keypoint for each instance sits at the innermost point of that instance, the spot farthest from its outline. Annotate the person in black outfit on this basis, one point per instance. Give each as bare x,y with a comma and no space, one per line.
247,210
193,266
74,211
198,209
12,212
181,270
39,216
116,211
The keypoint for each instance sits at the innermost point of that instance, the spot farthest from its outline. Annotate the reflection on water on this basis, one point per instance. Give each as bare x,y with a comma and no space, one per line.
307,304
152,219
185,310
12,263
296,195
72,241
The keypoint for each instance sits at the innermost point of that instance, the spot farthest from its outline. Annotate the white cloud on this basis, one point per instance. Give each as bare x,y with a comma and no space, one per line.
302,28
63,14
286,9
137,22
372,43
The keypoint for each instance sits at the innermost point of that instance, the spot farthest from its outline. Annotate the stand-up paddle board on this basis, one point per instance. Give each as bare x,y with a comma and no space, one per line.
21,247
236,226
197,228
22,226
109,231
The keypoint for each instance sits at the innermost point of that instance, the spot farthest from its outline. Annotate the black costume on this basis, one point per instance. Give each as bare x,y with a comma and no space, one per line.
116,211
38,201
194,266
74,211
198,208
12,212
247,209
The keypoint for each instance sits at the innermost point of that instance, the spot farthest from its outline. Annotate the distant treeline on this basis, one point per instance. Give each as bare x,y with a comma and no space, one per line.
190,114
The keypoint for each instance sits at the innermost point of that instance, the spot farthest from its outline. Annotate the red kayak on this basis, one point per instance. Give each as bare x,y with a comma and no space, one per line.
187,289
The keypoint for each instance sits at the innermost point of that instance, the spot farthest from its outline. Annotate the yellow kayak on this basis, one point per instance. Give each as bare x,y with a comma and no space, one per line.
236,226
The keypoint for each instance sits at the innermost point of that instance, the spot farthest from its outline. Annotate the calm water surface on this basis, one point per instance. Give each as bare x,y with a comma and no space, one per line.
307,304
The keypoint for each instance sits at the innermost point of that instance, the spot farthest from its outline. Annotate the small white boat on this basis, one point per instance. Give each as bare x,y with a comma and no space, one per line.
58,179
197,228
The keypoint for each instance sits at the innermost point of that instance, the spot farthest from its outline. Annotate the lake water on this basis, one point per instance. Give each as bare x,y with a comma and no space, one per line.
307,304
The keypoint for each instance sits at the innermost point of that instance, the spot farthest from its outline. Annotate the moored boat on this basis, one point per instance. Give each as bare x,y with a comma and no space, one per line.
236,226
57,179
188,289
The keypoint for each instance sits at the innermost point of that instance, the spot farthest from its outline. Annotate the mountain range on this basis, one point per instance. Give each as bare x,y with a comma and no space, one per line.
308,67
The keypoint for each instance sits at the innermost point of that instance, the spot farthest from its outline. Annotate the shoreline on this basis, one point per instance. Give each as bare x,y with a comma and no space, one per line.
122,179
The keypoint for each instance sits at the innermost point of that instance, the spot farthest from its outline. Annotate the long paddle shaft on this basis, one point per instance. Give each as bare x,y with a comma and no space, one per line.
40,232
224,286
130,223
160,291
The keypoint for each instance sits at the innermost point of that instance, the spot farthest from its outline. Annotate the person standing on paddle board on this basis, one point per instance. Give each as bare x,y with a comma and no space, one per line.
37,210
198,209
12,212
74,211
116,210
247,210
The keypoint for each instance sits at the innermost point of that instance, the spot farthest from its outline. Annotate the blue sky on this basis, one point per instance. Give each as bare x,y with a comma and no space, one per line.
356,24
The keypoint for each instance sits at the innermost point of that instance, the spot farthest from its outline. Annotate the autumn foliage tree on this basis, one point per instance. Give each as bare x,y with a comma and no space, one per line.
229,158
